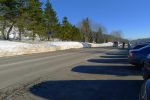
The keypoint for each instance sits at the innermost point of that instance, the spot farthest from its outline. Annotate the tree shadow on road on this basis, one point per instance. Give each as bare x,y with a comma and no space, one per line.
88,90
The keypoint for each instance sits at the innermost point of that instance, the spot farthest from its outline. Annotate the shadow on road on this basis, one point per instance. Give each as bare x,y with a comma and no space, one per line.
110,67
121,56
108,70
88,90
94,89
118,53
123,52
110,60
112,57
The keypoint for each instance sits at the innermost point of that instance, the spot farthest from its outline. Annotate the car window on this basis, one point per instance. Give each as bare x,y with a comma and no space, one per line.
139,46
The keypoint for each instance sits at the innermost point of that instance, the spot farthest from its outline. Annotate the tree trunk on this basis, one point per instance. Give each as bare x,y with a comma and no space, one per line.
48,37
33,36
3,30
8,33
20,33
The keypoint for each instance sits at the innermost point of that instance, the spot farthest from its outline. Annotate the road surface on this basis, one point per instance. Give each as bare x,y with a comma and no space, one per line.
77,74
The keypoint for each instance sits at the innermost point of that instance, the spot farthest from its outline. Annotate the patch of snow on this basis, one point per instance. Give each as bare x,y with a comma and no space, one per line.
9,48
102,44
12,46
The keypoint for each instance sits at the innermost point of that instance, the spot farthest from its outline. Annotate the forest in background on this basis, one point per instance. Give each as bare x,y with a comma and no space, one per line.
30,19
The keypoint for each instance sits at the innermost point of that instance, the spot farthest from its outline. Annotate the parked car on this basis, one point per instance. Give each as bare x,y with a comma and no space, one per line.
145,91
146,68
137,56
116,44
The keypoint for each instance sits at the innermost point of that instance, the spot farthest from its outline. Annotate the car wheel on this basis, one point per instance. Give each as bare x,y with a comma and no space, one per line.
142,94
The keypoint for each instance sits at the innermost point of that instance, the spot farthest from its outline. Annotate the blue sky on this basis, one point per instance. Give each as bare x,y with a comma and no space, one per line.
130,16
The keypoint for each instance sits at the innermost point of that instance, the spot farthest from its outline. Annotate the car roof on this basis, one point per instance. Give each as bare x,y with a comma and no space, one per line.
144,44
147,46
139,45
142,48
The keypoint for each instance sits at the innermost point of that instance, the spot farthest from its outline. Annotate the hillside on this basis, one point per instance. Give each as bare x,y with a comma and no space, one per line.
141,40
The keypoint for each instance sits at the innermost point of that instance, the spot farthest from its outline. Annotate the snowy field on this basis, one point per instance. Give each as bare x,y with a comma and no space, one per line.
9,48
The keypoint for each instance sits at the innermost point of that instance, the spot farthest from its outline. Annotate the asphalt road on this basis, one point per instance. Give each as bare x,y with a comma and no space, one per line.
82,74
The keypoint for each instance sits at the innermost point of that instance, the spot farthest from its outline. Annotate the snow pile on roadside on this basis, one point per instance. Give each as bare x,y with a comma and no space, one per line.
9,48
66,45
12,46
102,44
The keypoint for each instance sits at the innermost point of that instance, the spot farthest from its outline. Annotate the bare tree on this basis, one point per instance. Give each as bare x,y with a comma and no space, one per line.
85,28
118,35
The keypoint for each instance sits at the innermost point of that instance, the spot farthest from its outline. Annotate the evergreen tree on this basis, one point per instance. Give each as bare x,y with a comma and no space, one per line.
8,13
67,29
21,19
35,21
51,20
58,32
76,35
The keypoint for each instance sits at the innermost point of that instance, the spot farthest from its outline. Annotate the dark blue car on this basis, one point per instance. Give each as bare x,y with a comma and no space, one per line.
137,56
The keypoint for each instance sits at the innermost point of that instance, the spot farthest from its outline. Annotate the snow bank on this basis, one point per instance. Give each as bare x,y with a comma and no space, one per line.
12,46
66,45
9,48
102,45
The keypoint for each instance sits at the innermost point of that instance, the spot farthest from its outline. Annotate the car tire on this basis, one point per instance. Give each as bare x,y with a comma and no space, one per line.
141,92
